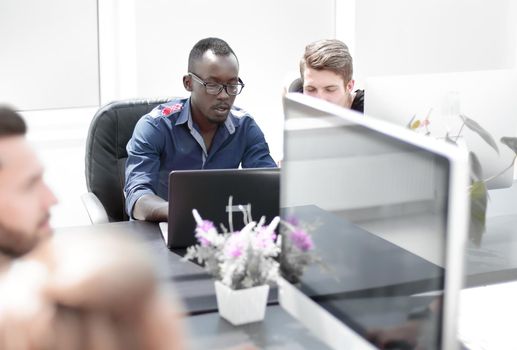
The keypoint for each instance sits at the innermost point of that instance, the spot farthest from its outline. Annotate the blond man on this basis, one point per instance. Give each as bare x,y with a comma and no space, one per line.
326,72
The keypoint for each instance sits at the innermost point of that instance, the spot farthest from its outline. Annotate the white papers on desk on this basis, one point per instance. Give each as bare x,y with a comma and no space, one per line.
164,227
488,316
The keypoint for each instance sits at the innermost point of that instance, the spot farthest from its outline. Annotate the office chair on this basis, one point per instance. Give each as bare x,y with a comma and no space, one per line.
105,160
295,86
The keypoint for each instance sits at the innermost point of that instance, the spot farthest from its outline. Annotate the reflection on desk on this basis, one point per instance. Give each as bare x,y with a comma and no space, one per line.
495,260
278,331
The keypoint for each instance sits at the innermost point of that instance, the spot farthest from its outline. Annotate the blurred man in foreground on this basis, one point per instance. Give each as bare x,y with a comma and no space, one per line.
25,200
69,291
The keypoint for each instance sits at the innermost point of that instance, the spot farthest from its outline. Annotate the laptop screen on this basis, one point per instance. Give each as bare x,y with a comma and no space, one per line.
375,203
208,191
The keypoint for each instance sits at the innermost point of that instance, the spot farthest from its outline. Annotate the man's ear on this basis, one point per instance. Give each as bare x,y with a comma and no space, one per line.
350,85
187,82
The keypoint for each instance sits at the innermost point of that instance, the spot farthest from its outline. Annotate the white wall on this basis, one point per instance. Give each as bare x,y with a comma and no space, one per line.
268,36
51,60
59,138
429,36
48,53
400,37
117,50
345,14
52,64
47,62
145,46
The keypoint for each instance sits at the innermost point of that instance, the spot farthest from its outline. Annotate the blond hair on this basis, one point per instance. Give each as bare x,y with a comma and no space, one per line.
328,54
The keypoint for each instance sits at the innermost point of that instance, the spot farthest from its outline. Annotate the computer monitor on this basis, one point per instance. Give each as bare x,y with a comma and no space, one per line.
486,97
208,191
366,188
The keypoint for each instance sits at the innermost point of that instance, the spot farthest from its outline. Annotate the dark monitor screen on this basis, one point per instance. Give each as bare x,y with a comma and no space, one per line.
208,191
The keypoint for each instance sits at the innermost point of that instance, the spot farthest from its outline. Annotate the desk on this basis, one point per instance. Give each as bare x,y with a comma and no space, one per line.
196,289
193,285
205,328
494,262
278,331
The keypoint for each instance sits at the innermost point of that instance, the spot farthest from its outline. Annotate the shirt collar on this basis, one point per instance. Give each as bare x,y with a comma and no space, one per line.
184,116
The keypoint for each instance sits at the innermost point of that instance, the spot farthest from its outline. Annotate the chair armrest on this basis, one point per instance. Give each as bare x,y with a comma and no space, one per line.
94,208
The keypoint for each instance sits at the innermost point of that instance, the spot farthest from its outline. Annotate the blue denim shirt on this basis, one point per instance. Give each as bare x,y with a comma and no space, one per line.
167,139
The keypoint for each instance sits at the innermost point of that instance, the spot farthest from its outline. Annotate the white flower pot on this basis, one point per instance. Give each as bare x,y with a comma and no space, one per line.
243,305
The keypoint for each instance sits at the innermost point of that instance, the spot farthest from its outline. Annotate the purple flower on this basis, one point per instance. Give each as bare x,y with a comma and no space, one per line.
234,246
203,240
301,240
234,251
293,220
206,225
203,231
265,238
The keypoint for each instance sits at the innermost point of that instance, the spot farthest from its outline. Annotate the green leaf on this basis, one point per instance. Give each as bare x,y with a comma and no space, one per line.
478,129
476,171
510,142
478,202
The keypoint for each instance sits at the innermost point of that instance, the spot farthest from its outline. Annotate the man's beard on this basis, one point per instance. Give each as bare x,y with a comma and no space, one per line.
216,120
17,243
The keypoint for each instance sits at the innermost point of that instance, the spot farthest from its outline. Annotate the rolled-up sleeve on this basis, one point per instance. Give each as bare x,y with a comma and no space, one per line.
143,161
256,154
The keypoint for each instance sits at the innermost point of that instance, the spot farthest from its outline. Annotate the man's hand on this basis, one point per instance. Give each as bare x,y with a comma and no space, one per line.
150,207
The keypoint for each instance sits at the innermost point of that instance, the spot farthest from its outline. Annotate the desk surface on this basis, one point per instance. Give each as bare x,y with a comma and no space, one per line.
193,285
196,289
278,331
493,262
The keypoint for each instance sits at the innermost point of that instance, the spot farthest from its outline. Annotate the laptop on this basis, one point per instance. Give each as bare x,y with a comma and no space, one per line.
209,191
388,214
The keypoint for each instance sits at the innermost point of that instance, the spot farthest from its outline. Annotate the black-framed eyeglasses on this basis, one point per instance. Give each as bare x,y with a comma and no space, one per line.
216,88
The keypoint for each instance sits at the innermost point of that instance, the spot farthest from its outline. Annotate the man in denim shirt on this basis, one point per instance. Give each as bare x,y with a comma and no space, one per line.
201,132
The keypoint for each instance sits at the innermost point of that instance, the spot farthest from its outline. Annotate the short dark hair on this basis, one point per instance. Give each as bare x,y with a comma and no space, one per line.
329,54
11,123
218,46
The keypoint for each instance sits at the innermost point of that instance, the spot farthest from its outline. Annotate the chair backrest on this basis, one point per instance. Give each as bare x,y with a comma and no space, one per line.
105,161
295,86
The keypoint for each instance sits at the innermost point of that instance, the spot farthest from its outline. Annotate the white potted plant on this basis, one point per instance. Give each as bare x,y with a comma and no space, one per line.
243,264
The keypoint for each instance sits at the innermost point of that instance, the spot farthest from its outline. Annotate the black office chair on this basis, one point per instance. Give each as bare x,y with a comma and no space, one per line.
295,86
110,130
